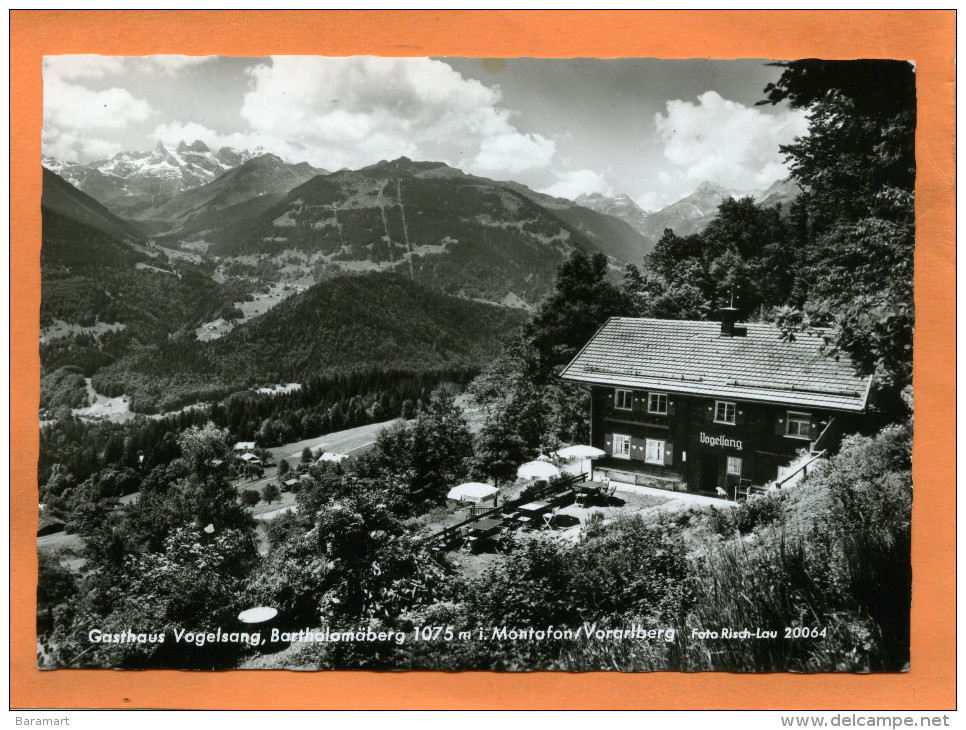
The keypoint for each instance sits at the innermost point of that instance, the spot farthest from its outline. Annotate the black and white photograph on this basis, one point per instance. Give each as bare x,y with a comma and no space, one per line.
462,364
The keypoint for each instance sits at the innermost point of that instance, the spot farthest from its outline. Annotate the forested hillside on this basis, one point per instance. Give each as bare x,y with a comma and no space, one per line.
343,324
460,234
109,290
194,209
62,198
97,267
358,321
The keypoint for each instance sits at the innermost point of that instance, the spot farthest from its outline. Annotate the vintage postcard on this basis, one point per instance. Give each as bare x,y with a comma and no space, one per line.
456,361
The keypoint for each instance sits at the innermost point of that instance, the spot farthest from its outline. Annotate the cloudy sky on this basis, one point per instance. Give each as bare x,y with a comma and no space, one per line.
652,129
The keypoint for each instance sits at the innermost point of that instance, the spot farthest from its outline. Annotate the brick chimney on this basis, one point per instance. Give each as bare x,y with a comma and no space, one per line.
729,315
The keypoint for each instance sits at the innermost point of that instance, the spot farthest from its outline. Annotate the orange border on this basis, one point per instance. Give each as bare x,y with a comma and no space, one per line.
927,37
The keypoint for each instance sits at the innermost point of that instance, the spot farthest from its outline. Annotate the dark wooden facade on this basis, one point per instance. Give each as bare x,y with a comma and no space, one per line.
705,442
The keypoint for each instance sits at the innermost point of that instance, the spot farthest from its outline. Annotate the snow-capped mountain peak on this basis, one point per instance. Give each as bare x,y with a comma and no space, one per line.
197,147
620,206
164,170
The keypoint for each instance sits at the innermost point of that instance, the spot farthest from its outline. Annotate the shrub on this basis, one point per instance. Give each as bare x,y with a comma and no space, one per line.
250,497
745,518
533,490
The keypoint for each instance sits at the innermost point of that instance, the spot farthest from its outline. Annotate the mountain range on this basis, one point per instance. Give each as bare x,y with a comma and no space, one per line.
266,176
131,312
466,235
133,178
97,269
780,192
690,214
182,237
462,234
188,188
620,206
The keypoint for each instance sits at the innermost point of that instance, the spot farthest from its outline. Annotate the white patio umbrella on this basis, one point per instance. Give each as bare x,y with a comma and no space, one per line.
472,492
537,470
582,452
258,615
544,457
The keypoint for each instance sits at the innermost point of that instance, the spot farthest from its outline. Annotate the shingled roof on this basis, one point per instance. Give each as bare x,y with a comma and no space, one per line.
683,356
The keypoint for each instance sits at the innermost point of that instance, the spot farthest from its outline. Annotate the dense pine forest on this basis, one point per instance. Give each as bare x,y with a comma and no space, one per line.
833,552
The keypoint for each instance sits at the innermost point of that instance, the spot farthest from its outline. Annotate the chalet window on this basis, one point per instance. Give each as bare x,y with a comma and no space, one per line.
654,451
657,403
734,466
798,425
622,446
623,399
724,412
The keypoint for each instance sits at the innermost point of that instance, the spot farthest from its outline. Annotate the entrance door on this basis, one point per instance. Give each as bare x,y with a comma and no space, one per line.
708,478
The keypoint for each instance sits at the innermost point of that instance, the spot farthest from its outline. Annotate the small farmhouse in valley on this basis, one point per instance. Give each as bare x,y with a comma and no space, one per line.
713,405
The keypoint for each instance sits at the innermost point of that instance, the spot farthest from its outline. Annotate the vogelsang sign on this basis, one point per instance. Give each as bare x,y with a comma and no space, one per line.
720,441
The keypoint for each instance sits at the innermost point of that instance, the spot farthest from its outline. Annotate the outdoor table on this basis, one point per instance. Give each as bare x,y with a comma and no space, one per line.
485,527
534,507
589,487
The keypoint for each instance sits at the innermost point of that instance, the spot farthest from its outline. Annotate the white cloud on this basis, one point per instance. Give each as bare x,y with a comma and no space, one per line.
75,66
76,116
72,147
513,152
651,201
578,182
172,64
332,112
727,142
70,106
171,133
349,112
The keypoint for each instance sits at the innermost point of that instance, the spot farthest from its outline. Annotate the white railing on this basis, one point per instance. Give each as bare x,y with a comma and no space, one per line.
802,470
